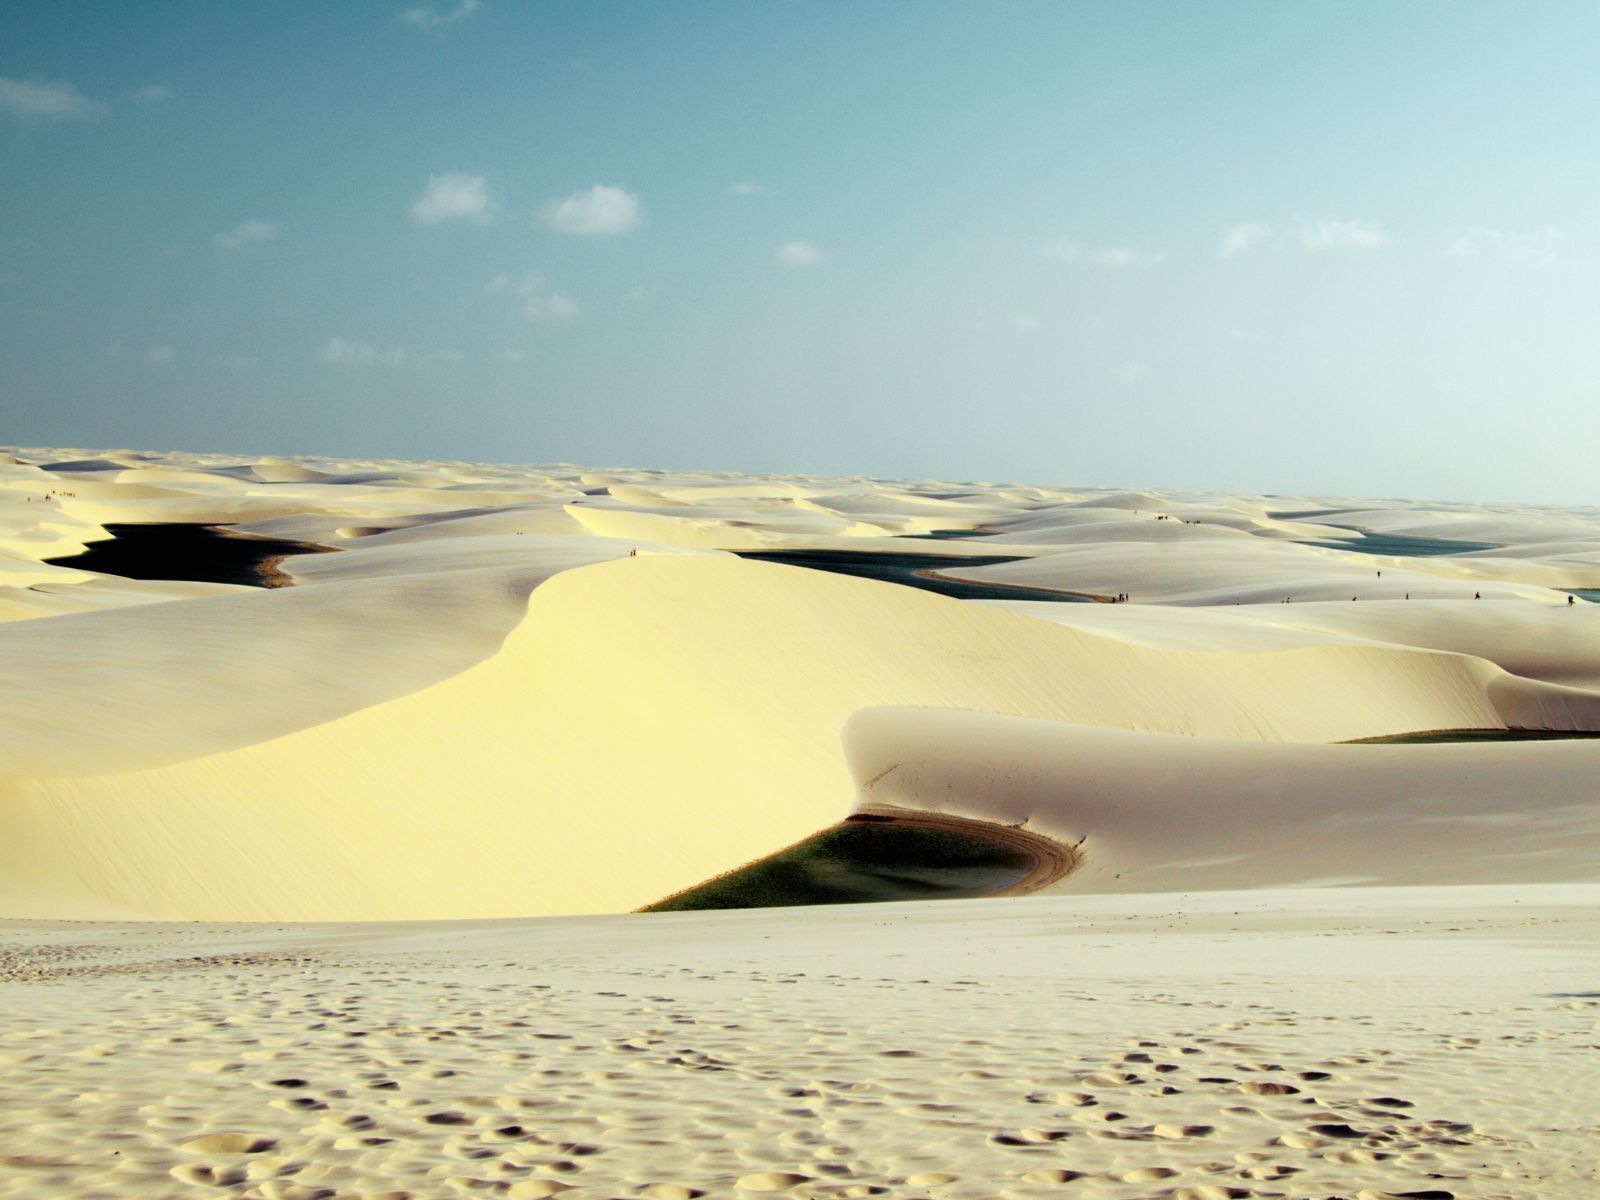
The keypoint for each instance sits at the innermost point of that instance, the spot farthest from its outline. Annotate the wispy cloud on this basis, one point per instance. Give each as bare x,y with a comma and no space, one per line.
1532,247
1241,237
550,306
1330,234
35,102
1118,258
245,232
429,17
340,352
453,196
1130,372
539,301
160,355
748,187
600,211
152,93
800,254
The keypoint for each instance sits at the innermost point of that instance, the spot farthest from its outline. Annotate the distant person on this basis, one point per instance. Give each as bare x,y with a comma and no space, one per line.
1571,600
1477,595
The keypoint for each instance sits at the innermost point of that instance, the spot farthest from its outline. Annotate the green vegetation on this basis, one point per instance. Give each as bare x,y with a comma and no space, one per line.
1473,735
861,861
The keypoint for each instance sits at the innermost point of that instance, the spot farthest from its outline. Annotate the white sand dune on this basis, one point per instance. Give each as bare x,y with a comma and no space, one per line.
704,683
1245,570
483,704
1553,642
1275,814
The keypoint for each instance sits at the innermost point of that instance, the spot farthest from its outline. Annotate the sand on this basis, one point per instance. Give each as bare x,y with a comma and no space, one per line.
539,697
1374,1042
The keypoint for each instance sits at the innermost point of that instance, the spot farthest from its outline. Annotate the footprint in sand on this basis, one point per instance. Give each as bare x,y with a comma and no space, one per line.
214,1176
1052,1175
229,1143
771,1181
1269,1089
536,1189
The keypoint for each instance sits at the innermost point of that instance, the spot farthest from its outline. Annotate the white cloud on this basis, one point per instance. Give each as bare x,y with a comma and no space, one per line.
1331,234
1061,251
512,356
1131,372
32,102
1535,247
161,354
799,254
1115,257
601,211
1241,237
748,187
152,93
344,353
453,196
245,232
1120,258
551,305
429,17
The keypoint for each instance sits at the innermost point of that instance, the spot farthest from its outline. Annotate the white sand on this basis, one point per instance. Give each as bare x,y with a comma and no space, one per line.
518,692
1295,1044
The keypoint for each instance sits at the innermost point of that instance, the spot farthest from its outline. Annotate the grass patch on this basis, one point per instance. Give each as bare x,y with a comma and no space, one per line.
1472,735
862,861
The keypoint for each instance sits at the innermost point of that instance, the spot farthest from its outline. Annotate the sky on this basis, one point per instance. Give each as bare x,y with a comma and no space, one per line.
1313,249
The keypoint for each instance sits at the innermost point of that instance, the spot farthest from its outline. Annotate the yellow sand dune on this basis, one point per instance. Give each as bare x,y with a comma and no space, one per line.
651,722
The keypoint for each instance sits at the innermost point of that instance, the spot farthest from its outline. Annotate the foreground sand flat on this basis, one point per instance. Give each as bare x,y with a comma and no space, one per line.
1313,1043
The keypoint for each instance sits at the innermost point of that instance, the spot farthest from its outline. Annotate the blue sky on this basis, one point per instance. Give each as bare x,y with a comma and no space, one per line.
1284,247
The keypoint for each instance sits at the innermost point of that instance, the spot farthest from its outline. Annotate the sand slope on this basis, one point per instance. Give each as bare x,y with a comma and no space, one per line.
651,722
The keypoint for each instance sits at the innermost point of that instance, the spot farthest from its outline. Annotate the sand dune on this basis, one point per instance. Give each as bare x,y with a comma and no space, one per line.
552,690
1280,966
1275,814
700,682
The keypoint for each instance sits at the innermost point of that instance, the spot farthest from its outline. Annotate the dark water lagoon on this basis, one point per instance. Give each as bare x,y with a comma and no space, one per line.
868,859
1399,546
914,570
199,553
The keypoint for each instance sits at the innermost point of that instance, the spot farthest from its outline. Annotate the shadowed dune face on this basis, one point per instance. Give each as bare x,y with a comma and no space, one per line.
519,690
